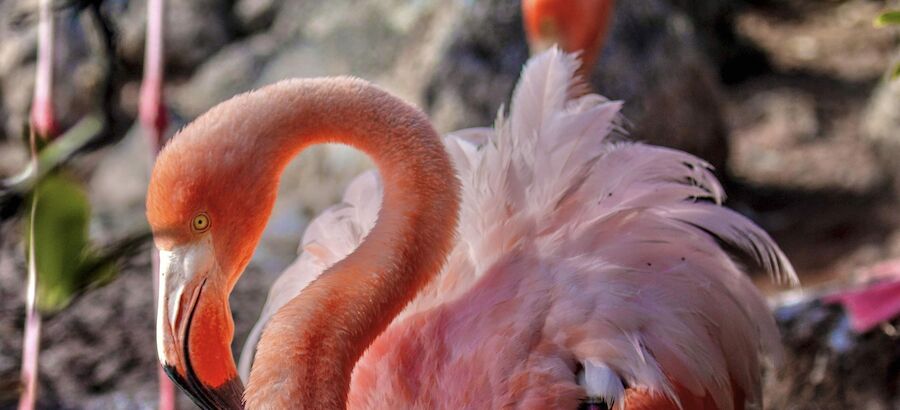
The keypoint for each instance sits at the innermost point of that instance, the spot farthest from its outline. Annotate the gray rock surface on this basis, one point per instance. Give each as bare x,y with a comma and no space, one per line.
882,128
793,138
232,70
652,60
195,30
74,77
828,366
254,15
804,125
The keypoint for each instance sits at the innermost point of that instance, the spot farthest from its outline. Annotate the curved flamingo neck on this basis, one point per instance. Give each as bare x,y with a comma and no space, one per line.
309,348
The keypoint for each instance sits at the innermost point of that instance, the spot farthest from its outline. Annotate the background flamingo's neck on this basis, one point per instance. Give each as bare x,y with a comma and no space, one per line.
575,25
308,350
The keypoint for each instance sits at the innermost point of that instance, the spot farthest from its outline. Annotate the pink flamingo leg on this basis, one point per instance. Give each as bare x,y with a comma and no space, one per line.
154,120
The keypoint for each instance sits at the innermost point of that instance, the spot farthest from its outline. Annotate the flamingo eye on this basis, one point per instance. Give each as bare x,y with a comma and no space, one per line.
200,223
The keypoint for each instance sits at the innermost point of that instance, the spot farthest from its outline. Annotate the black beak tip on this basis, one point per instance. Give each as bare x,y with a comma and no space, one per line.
228,396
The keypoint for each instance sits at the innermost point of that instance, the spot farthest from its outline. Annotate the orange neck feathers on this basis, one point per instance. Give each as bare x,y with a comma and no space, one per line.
310,347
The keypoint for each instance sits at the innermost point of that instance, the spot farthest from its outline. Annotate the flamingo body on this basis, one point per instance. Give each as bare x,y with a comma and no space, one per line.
577,254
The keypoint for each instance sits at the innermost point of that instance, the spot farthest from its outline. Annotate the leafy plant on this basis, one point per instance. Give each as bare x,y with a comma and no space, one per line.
62,263
43,122
61,245
68,263
890,18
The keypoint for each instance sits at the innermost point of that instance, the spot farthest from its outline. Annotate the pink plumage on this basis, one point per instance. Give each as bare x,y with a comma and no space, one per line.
577,252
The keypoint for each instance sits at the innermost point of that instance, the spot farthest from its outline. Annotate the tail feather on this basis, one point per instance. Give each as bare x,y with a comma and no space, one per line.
736,230
554,172
543,90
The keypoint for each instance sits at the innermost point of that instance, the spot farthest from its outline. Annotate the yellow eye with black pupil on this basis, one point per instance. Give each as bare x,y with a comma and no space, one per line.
200,223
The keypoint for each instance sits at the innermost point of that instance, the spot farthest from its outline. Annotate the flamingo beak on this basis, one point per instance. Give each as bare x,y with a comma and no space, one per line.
186,296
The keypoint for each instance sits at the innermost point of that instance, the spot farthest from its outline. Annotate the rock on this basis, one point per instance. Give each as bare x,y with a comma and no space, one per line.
882,128
313,181
801,138
80,340
818,37
77,73
17,51
13,157
822,365
17,86
145,399
255,15
195,30
369,39
231,71
479,68
2,125
302,60
17,21
655,62
118,186
652,60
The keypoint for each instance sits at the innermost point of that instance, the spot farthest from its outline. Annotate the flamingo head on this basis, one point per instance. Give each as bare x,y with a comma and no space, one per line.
575,25
207,211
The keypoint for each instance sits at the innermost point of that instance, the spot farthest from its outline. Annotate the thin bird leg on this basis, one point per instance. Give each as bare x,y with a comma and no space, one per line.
154,121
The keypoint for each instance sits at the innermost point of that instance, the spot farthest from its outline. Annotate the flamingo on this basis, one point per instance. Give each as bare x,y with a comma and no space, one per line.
541,263
572,25
581,26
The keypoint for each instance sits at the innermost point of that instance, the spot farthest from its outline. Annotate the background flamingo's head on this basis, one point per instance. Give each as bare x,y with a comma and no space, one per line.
208,201
576,25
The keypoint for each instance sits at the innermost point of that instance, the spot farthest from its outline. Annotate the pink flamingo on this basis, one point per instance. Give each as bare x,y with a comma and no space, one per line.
581,26
573,25
584,270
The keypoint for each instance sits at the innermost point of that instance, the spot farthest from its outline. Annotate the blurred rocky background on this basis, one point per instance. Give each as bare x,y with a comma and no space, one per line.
787,98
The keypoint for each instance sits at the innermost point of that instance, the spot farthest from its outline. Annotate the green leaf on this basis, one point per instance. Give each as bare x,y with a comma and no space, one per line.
53,154
895,73
61,245
888,18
